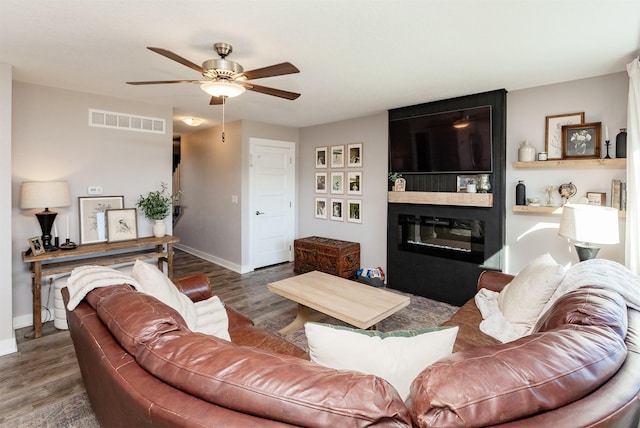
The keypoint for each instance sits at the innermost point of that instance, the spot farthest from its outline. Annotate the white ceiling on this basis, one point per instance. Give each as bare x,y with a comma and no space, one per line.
357,57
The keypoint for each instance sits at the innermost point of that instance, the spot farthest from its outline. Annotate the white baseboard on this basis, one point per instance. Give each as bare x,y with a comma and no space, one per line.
213,259
8,346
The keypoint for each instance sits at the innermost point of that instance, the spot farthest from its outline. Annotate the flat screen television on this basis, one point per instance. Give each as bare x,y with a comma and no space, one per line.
445,142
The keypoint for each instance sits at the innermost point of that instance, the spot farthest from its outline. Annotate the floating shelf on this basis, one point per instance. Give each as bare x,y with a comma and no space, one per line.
575,163
526,209
443,198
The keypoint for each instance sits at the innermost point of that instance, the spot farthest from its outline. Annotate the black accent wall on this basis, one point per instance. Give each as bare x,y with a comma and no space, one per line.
439,278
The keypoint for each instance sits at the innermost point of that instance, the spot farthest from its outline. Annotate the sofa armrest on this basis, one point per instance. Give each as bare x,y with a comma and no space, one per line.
196,287
494,281
236,319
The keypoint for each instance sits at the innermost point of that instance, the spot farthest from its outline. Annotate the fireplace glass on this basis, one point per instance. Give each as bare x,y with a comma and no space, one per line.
451,238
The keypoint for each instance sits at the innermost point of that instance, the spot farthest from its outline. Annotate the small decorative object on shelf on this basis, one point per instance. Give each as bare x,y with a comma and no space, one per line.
399,185
566,191
549,200
521,193
471,186
393,177
621,143
607,143
526,152
484,185
542,156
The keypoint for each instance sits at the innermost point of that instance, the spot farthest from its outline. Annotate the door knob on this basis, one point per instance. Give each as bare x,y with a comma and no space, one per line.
259,212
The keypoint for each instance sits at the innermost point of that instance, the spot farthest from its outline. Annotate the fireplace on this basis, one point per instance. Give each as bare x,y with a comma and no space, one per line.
450,238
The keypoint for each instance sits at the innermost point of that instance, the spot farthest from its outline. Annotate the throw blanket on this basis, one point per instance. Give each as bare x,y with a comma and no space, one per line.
595,272
83,279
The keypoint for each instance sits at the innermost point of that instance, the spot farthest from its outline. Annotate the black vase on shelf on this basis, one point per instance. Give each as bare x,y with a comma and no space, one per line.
621,143
521,193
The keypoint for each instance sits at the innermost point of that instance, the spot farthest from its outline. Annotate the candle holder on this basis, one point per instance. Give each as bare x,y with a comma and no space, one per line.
607,144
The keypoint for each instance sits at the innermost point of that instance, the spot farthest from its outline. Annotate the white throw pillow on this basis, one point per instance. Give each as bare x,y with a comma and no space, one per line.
398,357
158,285
522,300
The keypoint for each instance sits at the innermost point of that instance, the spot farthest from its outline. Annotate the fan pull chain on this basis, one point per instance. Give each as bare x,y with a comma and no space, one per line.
223,102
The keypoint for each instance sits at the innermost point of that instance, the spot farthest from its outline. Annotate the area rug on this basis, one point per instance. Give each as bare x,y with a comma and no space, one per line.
75,411
420,313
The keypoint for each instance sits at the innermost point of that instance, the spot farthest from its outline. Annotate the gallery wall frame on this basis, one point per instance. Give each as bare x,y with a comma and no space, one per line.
92,211
321,157
354,211
337,182
321,208
321,182
337,156
337,209
354,155
354,183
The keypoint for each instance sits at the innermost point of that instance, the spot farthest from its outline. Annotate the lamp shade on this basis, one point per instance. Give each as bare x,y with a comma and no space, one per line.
591,224
222,88
44,194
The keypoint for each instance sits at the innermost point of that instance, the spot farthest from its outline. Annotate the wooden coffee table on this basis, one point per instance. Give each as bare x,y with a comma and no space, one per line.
357,304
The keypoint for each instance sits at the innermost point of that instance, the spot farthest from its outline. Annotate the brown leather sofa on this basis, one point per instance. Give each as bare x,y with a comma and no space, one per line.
142,367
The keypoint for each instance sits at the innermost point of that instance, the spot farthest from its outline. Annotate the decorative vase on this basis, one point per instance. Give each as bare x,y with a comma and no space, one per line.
526,152
621,143
521,193
159,228
484,185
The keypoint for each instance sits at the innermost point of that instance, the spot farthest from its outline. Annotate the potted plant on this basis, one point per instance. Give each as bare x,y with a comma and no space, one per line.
157,206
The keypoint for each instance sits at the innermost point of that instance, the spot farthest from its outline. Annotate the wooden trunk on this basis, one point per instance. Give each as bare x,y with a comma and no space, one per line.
332,256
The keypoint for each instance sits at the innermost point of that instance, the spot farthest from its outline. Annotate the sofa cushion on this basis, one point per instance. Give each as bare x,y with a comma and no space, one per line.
206,316
396,357
135,319
533,374
522,300
271,386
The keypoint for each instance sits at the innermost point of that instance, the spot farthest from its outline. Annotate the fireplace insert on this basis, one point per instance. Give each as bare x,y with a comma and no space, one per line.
451,238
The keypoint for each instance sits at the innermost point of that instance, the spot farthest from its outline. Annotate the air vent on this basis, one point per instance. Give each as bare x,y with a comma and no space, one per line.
124,121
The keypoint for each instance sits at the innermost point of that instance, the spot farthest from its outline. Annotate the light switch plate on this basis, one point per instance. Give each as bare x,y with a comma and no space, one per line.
94,190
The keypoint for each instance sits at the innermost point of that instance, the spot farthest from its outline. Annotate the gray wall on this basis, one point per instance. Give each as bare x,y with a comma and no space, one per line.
52,141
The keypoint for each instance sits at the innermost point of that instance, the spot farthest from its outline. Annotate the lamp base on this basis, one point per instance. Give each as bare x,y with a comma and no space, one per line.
586,253
46,219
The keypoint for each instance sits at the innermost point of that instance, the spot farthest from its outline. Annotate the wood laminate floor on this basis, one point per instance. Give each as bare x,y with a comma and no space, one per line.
45,370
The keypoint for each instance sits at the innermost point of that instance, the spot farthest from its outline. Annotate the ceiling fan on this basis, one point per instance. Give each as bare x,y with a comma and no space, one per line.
224,78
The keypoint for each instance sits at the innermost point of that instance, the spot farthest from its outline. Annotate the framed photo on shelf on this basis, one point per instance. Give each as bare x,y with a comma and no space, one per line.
122,225
321,157
463,180
354,153
36,246
337,209
92,209
597,198
581,141
354,183
321,208
321,182
337,156
553,132
337,182
354,211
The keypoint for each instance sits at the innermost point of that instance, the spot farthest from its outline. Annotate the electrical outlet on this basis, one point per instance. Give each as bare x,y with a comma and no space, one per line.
94,190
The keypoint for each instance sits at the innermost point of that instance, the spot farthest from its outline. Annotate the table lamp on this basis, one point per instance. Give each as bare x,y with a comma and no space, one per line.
45,194
589,225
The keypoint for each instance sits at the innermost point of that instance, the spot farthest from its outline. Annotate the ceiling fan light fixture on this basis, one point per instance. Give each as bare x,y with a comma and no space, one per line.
222,88
461,123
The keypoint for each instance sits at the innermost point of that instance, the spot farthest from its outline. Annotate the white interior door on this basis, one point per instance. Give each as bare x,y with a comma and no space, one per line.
272,175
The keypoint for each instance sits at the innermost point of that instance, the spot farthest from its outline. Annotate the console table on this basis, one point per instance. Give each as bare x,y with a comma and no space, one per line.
103,254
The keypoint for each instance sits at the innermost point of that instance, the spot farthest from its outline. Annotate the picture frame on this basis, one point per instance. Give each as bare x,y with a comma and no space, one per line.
337,182
321,157
321,182
122,225
36,245
354,155
553,132
597,198
354,183
463,180
354,211
320,207
92,212
337,156
337,209
581,141
399,185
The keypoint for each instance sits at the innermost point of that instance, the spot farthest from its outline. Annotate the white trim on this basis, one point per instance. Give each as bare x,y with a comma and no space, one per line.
213,259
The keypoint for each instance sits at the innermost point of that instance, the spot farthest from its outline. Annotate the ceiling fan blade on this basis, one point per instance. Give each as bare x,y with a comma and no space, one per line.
157,82
270,91
215,101
271,71
177,58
